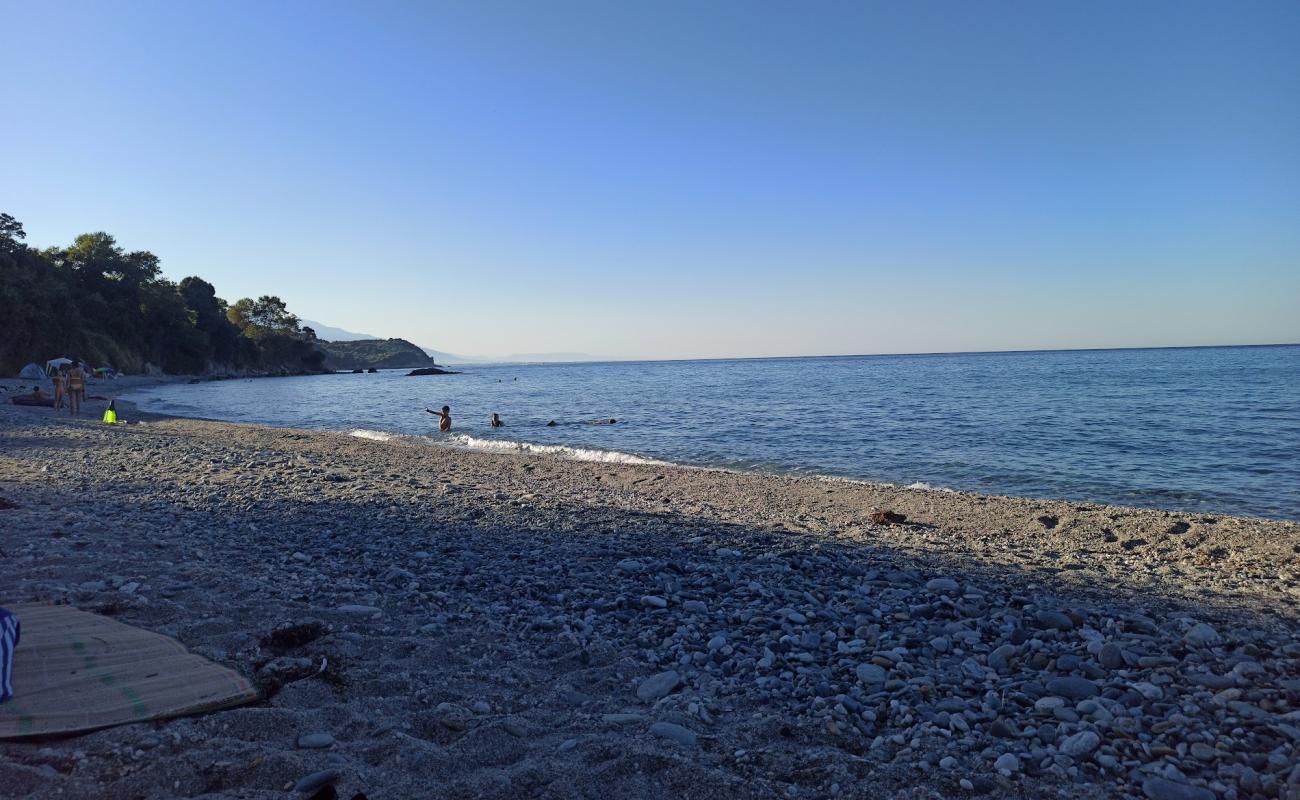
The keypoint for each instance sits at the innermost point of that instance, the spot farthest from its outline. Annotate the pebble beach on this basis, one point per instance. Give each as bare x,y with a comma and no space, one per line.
430,622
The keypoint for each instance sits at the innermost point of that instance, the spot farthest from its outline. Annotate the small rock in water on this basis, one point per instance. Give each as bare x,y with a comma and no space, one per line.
315,741
670,730
657,686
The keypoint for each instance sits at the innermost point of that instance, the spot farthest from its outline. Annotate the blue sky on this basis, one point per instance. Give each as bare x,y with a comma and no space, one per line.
684,179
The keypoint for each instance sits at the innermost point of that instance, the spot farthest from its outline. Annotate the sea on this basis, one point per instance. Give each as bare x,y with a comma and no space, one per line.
1212,430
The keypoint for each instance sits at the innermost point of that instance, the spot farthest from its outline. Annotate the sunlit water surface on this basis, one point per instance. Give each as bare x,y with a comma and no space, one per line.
1201,430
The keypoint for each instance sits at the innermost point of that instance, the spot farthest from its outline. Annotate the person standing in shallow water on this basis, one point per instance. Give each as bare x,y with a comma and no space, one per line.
444,418
496,421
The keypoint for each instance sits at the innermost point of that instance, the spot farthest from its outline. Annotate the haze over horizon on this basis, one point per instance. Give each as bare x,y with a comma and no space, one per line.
681,181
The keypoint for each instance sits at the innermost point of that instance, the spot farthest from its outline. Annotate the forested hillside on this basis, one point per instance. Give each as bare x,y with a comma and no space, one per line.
94,301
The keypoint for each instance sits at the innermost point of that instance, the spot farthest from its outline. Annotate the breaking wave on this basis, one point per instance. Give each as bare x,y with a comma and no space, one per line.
378,436
555,450
924,485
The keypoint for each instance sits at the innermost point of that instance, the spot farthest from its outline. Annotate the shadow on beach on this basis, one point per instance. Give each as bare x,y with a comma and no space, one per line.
504,636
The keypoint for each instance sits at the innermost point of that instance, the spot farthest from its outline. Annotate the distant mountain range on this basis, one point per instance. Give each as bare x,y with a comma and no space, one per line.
332,334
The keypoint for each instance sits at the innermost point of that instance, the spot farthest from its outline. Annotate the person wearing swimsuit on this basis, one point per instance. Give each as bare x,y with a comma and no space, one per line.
76,388
59,388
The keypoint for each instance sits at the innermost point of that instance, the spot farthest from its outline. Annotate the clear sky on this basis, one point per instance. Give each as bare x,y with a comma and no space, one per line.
683,179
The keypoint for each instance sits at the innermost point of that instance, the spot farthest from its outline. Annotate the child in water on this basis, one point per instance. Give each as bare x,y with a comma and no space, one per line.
444,418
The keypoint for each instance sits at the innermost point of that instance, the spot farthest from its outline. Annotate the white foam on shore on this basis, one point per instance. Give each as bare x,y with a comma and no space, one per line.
377,436
463,441
924,485
555,450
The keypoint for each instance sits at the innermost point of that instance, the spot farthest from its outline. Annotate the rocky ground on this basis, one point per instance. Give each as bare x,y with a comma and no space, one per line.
432,623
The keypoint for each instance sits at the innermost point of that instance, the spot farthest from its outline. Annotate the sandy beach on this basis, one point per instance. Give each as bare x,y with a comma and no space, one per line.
498,625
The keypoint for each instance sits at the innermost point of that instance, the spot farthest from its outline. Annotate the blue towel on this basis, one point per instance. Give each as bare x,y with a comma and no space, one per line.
9,631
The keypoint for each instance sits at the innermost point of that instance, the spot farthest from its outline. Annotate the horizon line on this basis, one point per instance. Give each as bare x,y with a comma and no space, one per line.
888,355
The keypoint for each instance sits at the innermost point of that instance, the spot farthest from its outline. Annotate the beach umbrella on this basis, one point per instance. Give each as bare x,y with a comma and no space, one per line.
55,363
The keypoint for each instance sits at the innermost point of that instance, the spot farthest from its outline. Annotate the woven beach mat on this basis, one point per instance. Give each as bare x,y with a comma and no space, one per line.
75,672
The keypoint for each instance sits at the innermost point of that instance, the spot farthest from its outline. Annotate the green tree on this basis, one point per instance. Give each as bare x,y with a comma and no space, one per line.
266,315
210,320
94,300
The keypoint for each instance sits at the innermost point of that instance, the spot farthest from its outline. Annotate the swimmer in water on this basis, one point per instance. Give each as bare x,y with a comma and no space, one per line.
610,421
496,421
444,418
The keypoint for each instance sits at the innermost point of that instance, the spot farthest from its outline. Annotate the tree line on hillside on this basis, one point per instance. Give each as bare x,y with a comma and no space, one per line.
94,301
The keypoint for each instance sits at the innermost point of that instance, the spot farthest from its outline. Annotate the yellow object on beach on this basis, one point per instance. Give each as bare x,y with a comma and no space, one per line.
110,416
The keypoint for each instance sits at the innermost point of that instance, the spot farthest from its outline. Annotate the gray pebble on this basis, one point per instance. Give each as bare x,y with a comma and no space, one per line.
871,674
358,610
670,730
1164,789
657,686
942,585
310,783
1080,744
315,741
1054,620
1110,656
1073,688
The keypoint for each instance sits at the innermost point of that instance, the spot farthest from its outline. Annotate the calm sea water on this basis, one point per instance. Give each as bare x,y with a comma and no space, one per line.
1201,430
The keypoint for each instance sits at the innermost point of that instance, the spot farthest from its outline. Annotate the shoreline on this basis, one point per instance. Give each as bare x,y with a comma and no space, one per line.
574,452
520,603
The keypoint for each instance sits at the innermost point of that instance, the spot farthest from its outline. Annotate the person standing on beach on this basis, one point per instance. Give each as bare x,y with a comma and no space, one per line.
59,388
444,418
76,388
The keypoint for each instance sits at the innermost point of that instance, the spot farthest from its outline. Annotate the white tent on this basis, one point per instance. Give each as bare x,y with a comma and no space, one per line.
32,372
55,363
